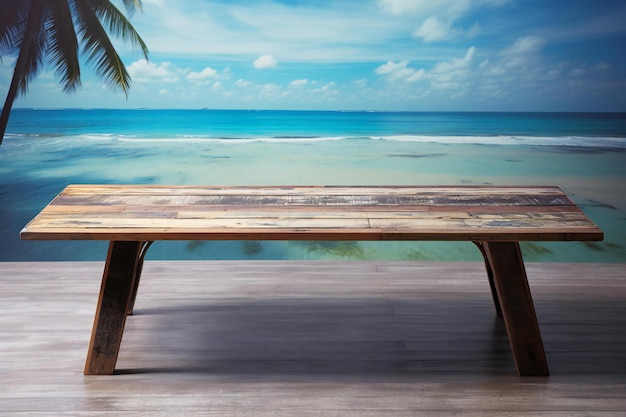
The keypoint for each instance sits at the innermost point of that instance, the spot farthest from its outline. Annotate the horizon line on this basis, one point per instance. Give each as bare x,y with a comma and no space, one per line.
320,110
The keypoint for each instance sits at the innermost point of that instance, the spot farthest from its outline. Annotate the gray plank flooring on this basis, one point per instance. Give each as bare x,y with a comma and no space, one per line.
262,338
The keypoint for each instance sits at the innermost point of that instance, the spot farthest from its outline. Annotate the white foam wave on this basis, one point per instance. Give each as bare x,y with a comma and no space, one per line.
577,141
228,141
561,141
99,136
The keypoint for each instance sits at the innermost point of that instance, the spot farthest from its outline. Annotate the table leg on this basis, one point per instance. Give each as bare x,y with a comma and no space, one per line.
511,282
115,294
492,284
144,249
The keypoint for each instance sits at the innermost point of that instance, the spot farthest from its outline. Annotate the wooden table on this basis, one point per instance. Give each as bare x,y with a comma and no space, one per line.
496,219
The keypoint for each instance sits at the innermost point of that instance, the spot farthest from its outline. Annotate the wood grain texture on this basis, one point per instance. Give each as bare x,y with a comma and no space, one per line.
303,338
129,215
517,308
132,212
114,300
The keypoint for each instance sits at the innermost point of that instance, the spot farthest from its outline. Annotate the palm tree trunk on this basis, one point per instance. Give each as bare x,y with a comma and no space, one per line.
8,104
20,71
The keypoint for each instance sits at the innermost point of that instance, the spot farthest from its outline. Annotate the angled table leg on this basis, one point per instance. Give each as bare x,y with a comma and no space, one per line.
138,268
115,296
492,284
511,283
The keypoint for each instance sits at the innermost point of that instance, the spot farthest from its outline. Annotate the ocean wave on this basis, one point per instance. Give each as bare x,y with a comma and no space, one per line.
504,140
571,141
578,141
230,140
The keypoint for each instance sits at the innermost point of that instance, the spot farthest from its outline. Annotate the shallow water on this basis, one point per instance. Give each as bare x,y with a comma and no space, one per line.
40,157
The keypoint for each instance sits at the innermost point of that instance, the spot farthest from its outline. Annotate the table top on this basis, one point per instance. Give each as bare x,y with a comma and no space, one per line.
157,212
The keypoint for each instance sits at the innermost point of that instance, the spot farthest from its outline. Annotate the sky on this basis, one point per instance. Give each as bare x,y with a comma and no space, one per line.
405,55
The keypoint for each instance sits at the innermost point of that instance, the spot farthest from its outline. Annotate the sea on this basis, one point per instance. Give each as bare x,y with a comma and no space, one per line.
47,149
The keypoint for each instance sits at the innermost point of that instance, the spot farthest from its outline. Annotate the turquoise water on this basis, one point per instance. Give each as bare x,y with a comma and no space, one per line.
45,150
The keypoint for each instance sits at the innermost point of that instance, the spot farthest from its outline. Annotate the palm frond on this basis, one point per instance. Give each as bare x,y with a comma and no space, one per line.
62,44
99,48
118,24
132,5
12,23
32,45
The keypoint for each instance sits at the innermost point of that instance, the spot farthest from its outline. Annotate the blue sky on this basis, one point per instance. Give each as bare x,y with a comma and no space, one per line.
483,55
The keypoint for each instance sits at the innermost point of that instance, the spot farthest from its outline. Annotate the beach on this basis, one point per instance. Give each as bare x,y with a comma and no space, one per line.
584,154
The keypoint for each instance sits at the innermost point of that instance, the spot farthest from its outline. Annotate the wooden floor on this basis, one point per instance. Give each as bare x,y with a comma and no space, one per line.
311,339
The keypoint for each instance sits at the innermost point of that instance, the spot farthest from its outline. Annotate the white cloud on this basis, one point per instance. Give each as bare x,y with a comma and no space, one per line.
395,71
265,62
454,75
298,31
525,45
326,88
438,18
299,83
339,40
208,72
327,92
392,68
143,71
457,63
473,31
393,7
433,29
270,90
429,7
522,53
158,3
417,75
421,7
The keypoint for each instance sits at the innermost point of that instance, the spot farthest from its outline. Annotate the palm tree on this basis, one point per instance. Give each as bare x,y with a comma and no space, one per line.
54,30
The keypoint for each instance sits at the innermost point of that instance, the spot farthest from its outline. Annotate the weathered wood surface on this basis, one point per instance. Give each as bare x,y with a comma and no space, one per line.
116,295
311,338
516,304
130,212
131,215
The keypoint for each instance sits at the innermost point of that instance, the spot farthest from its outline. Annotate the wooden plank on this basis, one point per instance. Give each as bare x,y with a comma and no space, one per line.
57,208
217,212
113,304
258,213
412,227
328,213
407,221
88,189
518,311
309,233
448,355
347,199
